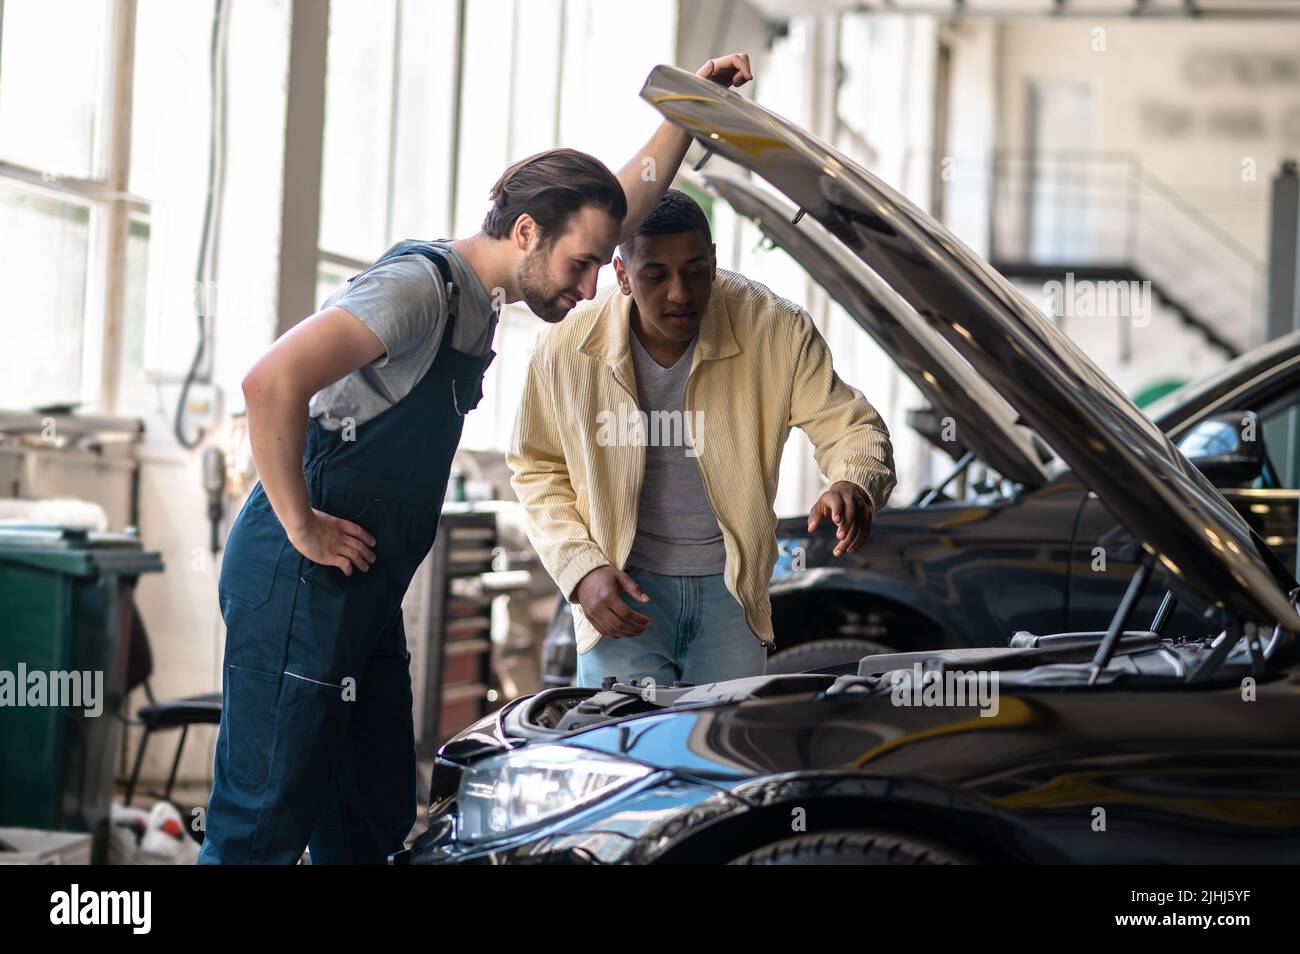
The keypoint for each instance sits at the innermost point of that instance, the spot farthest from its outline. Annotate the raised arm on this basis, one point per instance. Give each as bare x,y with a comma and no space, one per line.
647,175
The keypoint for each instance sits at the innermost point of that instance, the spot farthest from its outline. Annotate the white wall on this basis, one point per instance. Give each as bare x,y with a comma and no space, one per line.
1193,99
972,126
1205,111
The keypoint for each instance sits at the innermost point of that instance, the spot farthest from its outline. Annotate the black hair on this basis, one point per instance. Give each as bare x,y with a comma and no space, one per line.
676,212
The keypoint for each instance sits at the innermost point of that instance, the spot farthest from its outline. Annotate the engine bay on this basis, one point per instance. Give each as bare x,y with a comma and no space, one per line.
1057,661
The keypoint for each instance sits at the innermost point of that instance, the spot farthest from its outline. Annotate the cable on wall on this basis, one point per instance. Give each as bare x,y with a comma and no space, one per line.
206,267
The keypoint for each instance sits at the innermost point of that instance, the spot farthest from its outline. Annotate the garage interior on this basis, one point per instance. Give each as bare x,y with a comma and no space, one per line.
182,183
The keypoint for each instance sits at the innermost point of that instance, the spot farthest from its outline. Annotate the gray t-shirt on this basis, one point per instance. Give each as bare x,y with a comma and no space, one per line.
677,533
403,301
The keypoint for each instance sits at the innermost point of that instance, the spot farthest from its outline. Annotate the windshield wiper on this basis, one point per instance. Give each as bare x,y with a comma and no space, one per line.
1233,634
1220,648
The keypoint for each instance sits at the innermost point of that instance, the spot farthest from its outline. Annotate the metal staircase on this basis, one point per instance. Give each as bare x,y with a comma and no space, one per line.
1102,216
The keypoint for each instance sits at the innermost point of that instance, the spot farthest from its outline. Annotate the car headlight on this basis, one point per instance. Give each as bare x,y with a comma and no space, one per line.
522,788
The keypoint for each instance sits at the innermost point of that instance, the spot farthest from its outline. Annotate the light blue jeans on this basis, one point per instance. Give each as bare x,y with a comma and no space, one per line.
697,634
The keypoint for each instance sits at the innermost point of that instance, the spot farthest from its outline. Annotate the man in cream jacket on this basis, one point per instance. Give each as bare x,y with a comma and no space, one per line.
647,448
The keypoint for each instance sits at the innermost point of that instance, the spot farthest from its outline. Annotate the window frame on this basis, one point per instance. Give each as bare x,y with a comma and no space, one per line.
336,259
111,209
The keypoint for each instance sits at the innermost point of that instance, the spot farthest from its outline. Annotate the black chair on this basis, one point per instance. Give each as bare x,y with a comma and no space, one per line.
157,716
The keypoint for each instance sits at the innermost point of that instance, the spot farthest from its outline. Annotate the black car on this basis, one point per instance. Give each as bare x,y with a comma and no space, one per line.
1154,740
1009,539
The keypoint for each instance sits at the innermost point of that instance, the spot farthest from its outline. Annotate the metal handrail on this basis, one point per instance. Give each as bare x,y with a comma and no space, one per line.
1102,207
1229,241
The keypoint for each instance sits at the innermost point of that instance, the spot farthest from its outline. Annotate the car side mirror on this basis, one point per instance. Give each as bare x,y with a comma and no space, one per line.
1227,448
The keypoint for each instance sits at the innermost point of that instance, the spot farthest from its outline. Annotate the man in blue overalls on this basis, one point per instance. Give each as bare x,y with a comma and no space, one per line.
354,416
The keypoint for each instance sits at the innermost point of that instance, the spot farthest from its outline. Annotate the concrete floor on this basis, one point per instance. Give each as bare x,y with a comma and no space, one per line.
187,795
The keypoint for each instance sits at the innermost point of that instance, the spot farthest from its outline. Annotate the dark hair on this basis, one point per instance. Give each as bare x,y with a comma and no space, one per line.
676,212
551,187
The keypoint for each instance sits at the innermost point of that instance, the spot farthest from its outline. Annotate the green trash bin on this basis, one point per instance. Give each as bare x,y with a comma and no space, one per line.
65,615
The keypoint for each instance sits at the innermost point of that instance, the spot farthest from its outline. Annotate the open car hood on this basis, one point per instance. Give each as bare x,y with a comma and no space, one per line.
985,423
1135,470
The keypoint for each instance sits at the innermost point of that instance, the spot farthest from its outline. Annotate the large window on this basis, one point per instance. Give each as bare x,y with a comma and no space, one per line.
45,246
65,215
170,130
104,139
386,162
411,153
52,95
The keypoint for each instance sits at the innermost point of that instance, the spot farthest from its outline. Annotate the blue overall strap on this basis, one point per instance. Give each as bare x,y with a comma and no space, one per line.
439,261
